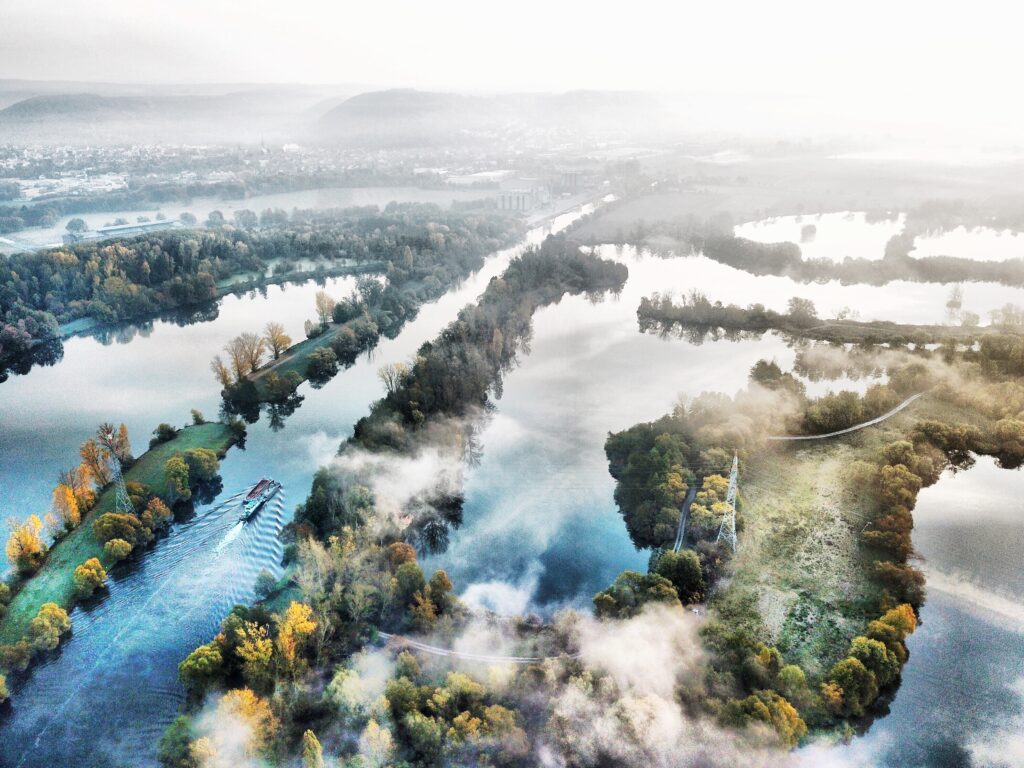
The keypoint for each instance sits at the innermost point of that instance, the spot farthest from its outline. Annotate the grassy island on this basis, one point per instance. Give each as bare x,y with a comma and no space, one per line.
54,581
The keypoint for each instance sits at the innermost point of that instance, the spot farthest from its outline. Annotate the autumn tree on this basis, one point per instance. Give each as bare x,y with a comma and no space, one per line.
3,689
202,463
65,508
294,628
312,752
94,459
856,683
117,525
79,480
89,577
222,372
45,630
255,712
176,479
770,708
245,353
276,339
324,307
392,376
202,669
118,549
255,650
25,547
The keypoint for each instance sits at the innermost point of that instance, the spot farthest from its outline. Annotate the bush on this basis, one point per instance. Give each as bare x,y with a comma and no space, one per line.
322,365
89,577
202,463
117,549
45,630
684,571
114,525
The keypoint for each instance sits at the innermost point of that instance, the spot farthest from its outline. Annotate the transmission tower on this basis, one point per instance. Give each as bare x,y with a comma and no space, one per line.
727,530
122,504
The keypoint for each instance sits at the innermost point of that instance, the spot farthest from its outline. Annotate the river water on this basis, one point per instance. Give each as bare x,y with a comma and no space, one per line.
539,502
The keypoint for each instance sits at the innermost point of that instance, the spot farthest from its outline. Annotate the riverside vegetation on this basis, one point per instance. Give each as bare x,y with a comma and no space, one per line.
64,558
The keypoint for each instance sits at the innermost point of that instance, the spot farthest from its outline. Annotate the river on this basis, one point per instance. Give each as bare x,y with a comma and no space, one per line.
540,528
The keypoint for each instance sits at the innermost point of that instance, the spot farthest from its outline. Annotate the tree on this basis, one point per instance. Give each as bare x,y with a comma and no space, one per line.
275,337
203,464
324,308
802,310
255,712
857,683
392,375
440,589
89,577
312,752
400,552
25,547
630,592
221,371
117,549
293,630
245,352
202,669
175,749
76,225
197,417
94,458
176,479
245,219
322,364
683,570
376,745
215,220
255,649
188,219
771,708
45,630
65,508
115,525
877,658
410,580
3,689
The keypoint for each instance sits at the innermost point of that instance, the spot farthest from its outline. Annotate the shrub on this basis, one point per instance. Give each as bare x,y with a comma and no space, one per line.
117,549
114,525
89,577
45,630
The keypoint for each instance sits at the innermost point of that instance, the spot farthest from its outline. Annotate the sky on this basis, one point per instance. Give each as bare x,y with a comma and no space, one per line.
934,59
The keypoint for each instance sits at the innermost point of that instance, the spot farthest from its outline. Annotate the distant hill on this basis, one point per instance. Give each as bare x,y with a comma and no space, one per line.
410,117
114,114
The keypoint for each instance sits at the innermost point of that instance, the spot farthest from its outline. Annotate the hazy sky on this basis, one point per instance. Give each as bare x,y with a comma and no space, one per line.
519,44
932,61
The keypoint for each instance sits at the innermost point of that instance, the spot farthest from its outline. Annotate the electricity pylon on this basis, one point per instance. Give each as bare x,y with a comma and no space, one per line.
122,503
727,530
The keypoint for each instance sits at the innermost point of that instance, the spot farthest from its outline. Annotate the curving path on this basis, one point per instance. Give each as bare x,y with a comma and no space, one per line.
855,427
433,649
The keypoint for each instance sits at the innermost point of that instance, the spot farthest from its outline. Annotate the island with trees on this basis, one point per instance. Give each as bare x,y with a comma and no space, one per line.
132,278
63,557
812,610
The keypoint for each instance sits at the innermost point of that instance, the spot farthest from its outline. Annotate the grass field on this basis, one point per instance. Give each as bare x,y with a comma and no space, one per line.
54,581
800,575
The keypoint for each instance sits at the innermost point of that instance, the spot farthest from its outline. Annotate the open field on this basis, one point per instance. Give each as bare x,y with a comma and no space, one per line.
800,574
53,583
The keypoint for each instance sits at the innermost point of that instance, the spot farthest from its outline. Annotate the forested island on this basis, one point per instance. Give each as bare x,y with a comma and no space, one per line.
808,618
108,282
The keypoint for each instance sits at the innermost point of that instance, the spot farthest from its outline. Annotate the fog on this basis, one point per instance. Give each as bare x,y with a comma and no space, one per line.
913,69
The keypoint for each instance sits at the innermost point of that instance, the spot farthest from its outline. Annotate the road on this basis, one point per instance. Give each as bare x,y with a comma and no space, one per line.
855,427
487,659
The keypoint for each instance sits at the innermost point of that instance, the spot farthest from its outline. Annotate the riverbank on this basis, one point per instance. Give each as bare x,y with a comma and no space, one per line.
54,581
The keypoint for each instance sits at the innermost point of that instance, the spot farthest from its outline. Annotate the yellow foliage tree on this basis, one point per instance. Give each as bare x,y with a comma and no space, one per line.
255,649
255,712
65,507
25,547
276,338
293,629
